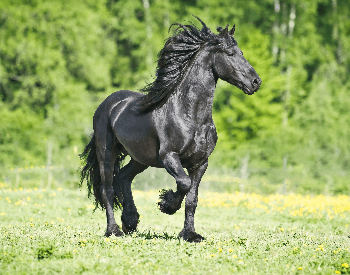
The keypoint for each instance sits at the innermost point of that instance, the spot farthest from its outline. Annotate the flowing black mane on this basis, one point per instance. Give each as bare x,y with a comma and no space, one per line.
173,61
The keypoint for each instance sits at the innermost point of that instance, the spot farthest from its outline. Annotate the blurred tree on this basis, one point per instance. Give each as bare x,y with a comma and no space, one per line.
59,59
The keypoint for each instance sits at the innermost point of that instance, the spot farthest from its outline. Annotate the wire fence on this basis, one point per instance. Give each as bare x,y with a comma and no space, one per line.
243,179
40,176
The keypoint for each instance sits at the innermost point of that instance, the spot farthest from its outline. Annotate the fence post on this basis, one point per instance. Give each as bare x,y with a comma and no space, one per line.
284,187
17,178
244,173
48,165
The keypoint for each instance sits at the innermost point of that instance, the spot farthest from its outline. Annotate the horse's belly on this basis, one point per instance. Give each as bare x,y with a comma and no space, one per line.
143,151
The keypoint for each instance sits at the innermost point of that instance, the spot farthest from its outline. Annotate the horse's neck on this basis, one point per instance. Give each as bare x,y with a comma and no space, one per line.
193,100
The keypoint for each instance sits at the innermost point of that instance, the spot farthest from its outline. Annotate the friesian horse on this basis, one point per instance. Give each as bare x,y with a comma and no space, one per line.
171,126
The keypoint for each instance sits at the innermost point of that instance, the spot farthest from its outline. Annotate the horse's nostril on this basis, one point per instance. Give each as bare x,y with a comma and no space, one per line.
256,82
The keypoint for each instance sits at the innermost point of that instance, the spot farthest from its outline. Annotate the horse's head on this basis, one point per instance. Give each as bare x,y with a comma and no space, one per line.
230,65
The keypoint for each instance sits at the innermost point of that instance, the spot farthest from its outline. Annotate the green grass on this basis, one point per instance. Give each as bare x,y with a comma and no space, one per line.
56,231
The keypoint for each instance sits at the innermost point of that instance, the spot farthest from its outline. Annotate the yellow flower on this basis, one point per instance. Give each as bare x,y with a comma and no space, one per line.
300,268
3,214
212,255
346,265
234,256
337,272
230,250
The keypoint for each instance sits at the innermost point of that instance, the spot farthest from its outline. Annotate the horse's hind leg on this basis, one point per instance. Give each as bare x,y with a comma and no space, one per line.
130,216
107,152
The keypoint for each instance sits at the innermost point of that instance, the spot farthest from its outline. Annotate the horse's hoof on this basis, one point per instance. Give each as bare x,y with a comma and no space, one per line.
168,204
114,230
130,221
191,236
126,230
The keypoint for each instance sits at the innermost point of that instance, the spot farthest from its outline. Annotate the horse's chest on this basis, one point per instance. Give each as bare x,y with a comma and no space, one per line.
202,145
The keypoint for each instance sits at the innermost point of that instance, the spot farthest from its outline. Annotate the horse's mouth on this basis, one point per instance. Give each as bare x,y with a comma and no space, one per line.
244,88
247,91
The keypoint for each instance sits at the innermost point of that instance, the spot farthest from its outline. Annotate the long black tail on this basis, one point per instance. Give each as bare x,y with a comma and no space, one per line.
91,172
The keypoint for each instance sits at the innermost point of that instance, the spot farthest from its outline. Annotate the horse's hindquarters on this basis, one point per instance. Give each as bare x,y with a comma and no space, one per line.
135,131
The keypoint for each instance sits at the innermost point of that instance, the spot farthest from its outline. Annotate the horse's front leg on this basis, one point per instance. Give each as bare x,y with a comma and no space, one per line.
188,233
171,201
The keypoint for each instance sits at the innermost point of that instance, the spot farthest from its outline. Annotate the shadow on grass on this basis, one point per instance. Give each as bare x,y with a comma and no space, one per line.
148,235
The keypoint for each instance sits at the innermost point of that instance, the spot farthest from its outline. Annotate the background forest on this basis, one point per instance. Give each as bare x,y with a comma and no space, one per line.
59,59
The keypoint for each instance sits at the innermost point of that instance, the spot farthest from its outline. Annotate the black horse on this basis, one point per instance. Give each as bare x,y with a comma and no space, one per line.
170,127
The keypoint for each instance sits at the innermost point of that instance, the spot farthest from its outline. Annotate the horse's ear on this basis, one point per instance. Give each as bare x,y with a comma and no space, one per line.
224,32
232,31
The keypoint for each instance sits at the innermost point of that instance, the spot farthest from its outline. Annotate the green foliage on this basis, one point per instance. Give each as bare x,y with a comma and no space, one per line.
45,252
59,59
21,137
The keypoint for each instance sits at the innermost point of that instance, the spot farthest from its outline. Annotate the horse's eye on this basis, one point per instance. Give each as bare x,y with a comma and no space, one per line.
230,54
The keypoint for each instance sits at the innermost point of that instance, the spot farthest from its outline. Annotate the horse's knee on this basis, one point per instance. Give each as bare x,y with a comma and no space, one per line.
184,184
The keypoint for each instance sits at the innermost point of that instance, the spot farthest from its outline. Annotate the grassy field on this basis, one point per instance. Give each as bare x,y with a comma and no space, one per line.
56,231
